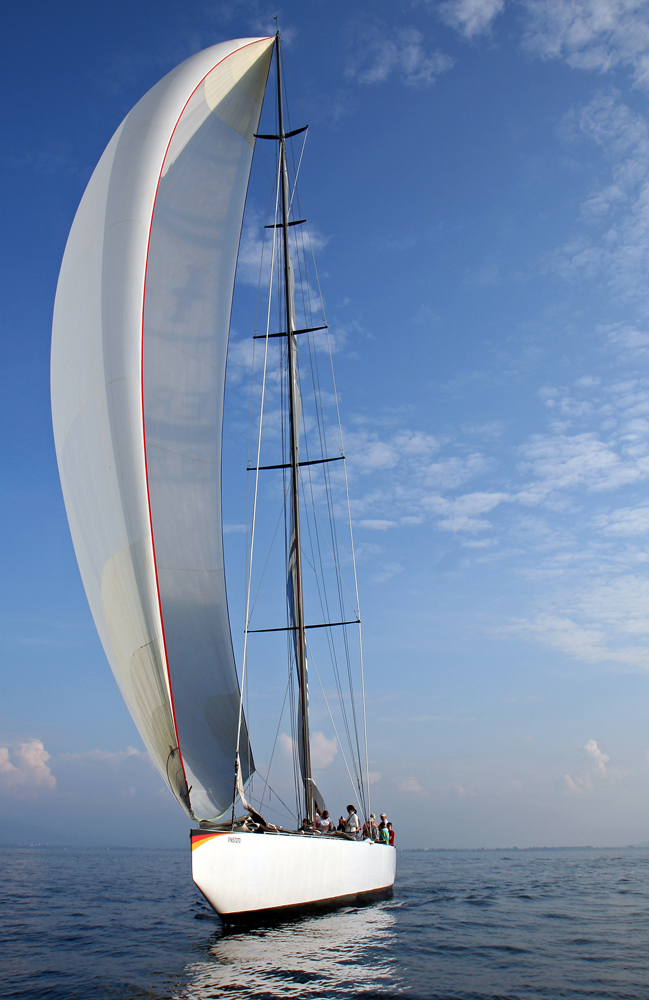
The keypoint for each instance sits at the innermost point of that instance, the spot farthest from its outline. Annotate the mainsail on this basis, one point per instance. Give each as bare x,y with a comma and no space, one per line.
139,345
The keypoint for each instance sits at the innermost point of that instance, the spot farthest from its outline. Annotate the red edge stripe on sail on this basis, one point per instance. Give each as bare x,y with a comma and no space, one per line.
146,467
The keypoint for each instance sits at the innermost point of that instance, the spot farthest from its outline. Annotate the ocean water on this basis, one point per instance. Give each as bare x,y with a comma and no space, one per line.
467,925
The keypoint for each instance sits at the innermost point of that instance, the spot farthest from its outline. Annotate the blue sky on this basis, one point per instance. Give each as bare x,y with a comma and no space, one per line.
477,173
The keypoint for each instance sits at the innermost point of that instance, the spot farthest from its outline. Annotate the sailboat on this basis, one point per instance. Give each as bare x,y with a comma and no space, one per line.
139,348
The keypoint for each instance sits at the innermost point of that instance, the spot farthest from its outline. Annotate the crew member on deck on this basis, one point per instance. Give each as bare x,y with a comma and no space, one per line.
353,824
323,823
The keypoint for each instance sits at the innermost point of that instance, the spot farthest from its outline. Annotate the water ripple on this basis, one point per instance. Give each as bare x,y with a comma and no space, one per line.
128,925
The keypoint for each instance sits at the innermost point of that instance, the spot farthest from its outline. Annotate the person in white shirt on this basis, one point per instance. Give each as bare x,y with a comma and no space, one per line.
323,823
353,824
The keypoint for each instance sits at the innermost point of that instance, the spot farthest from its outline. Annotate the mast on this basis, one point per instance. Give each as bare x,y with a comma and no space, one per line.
294,434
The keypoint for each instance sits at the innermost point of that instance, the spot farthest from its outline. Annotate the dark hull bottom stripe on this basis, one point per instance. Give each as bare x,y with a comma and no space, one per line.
314,906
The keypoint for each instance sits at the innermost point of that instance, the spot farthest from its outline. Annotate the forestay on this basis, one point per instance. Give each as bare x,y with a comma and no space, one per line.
139,345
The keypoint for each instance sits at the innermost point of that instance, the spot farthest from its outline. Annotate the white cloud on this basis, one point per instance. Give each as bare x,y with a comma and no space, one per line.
323,751
380,55
253,262
604,622
491,430
593,35
621,605
254,268
106,756
415,443
411,487
599,759
449,473
577,785
561,461
615,240
462,513
240,358
471,17
584,783
376,524
615,455
628,337
24,771
366,453
387,572
91,799
565,634
410,786
627,521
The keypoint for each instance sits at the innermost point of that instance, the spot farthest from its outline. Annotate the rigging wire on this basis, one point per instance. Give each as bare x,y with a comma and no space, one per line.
358,788
272,753
315,380
324,603
270,552
307,300
349,517
310,305
288,814
254,506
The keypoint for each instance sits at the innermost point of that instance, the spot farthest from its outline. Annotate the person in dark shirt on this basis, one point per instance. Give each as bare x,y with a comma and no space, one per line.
391,834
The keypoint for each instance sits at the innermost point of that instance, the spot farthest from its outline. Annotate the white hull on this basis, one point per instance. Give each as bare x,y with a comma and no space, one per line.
242,874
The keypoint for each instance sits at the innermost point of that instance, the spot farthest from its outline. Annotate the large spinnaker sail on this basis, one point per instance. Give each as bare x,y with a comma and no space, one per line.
139,343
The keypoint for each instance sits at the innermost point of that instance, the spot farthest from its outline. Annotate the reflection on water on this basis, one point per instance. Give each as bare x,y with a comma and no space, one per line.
350,952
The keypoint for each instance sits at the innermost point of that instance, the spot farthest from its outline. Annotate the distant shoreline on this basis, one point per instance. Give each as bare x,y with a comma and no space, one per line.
402,850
